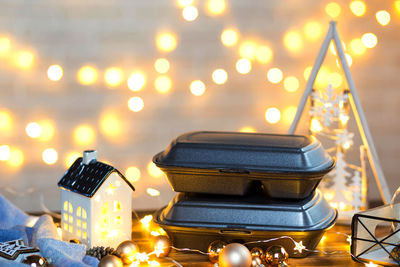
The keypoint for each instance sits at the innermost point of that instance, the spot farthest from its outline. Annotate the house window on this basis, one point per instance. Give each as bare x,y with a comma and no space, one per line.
68,216
66,205
81,222
79,211
117,206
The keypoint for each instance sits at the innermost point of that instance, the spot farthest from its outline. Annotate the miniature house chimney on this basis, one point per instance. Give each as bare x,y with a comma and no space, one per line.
89,156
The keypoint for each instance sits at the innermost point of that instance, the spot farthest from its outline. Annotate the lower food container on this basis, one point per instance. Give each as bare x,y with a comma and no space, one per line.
195,220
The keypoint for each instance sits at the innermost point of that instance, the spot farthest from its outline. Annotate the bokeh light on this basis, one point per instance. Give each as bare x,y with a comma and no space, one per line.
166,41
358,8
48,130
16,158
4,152
162,65
357,46
153,192
397,6
349,60
248,50
24,59
307,72
113,76
291,84
135,104
274,75
292,41
183,3
216,7
190,13
163,84
197,88
315,126
264,54
70,158
369,40
220,76
111,125
84,135
272,115
132,173
332,47
87,75
5,45
154,171
333,9
335,79
136,81
229,37
322,77
288,114
247,129
383,17
6,121
243,66
313,30
33,130
50,156
55,72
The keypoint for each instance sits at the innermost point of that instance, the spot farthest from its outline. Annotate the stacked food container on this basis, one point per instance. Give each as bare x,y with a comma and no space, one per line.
245,187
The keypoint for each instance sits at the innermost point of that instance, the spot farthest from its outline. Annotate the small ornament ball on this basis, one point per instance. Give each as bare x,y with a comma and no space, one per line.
256,261
214,249
163,244
235,255
35,261
276,255
258,252
127,251
110,261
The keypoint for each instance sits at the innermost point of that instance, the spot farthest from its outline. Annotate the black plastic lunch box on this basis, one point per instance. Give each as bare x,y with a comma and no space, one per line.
231,163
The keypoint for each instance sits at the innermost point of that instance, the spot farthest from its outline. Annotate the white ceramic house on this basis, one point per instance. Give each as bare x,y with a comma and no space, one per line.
96,205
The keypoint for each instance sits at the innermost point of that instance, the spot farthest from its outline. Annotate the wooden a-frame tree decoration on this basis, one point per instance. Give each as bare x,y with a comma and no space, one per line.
354,103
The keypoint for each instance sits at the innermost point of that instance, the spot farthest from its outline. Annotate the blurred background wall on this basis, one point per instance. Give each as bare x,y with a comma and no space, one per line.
133,111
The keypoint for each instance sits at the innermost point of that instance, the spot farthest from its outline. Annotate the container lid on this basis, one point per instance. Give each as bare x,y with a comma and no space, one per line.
246,151
253,212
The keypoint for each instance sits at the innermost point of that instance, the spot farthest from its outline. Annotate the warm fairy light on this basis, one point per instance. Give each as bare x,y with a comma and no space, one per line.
288,114
307,72
248,50
383,17
136,81
50,156
397,6
48,130
313,30
84,135
371,264
274,75
24,59
216,7
113,76
349,60
335,79
190,13
299,246
16,158
87,75
220,76
346,145
4,152
154,171
357,46
322,76
197,88
33,130
6,121
243,66
162,65
369,40
358,8
292,41
146,220
315,126
184,3
166,41
55,72
132,174
333,9
229,37
348,239
135,104
247,129
264,54
111,125
153,192
332,47
163,84
272,115
111,189
142,257
291,84
153,263
5,45
70,158
329,195
343,118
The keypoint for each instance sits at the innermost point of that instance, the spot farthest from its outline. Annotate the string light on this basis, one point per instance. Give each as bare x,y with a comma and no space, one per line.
335,79
312,30
84,135
190,13
247,129
87,75
272,115
357,46
163,84
243,66
358,8
162,65
5,45
291,84
371,264
55,72
315,126
397,6
333,9
383,17
136,81
220,76
33,130
216,7
197,88
4,152
229,37
299,247
292,41
369,40
154,171
264,54
70,158
153,192
16,158
135,104
184,3
50,156
248,50
48,130
289,113
111,125
24,59
274,75
132,174
113,76
166,41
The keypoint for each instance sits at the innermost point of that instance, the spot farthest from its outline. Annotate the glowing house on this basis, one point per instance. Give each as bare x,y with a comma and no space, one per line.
96,203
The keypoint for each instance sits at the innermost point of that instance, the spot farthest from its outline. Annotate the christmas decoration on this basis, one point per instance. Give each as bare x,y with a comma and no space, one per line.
214,249
35,261
256,261
395,253
275,255
96,203
100,252
110,261
11,249
257,252
234,255
127,251
162,246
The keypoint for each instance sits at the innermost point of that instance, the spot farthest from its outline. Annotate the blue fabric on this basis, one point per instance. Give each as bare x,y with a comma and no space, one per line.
43,235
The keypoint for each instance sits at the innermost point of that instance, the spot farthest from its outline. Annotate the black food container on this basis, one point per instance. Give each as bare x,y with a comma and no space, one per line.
230,163
195,220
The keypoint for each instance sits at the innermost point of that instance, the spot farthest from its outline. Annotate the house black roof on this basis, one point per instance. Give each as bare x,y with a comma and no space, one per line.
87,179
